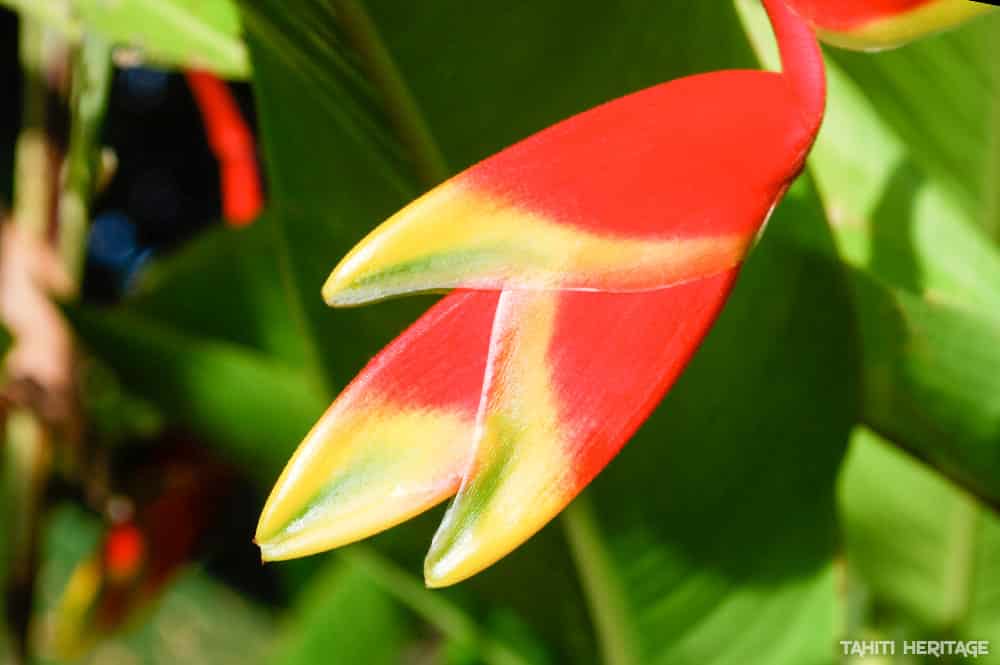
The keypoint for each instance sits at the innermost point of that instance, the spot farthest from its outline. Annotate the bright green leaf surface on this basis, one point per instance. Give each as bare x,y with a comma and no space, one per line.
928,292
197,34
891,217
932,382
318,629
927,549
927,278
190,34
937,95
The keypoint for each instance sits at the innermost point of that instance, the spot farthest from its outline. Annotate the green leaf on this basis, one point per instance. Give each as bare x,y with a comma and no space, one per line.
254,406
330,181
189,34
92,74
916,91
225,285
318,629
207,338
927,291
193,34
932,382
894,219
926,280
925,548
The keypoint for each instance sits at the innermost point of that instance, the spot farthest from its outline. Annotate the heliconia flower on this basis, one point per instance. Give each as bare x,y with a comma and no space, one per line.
881,24
232,143
590,261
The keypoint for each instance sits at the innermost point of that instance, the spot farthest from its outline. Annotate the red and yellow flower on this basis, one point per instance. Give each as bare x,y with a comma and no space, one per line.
881,24
588,262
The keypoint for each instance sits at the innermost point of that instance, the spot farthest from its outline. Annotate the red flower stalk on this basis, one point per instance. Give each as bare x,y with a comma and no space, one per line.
591,260
232,143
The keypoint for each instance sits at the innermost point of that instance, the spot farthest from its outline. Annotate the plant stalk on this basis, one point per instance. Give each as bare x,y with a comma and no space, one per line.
81,171
604,593
24,464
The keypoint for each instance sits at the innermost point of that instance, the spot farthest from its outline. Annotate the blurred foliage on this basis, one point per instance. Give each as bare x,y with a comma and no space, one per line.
199,34
184,627
721,533
921,545
376,634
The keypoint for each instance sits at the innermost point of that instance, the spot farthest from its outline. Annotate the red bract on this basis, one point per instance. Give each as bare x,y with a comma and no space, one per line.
877,24
613,239
233,145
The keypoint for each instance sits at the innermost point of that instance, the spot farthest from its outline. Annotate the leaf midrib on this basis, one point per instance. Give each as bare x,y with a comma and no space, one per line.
407,120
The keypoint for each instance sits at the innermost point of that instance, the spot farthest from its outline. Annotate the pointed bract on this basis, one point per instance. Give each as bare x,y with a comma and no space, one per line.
570,378
561,210
394,443
872,25
615,238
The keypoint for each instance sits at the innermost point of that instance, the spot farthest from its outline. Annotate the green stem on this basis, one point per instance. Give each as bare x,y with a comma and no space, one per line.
24,472
402,108
33,177
601,586
89,100
432,606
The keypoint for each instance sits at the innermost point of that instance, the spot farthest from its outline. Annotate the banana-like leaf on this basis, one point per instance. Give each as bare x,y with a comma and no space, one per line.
927,284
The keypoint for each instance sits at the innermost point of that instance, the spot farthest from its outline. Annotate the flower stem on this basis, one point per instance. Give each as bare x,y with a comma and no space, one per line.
603,590
25,462
433,607
34,180
88,101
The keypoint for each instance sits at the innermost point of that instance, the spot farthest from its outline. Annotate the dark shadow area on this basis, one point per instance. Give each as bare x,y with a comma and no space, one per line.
893,253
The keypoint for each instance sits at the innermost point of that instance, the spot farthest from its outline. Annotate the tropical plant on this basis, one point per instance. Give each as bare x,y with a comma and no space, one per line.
824,467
